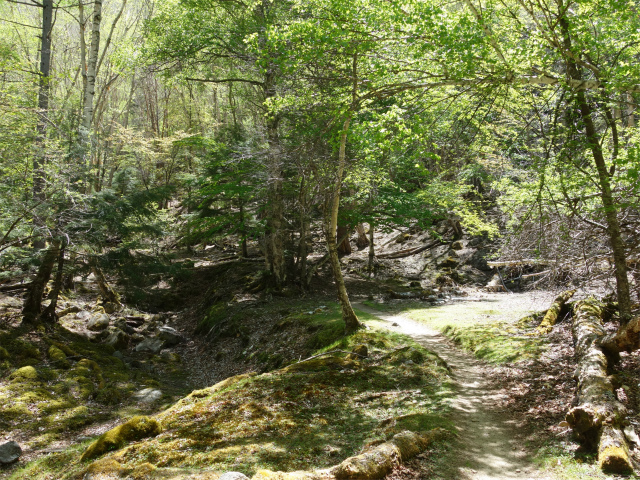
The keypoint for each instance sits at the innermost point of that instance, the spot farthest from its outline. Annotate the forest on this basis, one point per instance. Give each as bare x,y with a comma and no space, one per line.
321,239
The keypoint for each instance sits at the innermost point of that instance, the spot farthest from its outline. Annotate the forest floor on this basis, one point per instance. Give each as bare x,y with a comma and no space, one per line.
511,388
490,444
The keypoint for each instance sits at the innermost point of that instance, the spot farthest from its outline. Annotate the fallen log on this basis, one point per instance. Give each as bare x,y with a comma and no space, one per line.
407,252
626,339
598,417
15,286
517,263
552,315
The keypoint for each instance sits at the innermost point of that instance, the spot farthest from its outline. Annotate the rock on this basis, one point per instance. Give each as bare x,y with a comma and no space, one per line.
118,354
358,352
123,325
415,284
9,452
150,344
83,315
169,336
135,429
233,476
58,356
98,322
110,307
4,354
118,339
24,374
448,262
67,311
10,302
147,395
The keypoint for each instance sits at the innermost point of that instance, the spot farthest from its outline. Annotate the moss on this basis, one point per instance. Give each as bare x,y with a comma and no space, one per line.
58,356
4,354
322,363
614,459
404,355
109,396
24,374
104,466
137,428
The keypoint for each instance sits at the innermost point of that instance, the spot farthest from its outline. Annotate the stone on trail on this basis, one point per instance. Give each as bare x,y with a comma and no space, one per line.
118,340
98,322
147,395
233,476
150,344
169,336
9,452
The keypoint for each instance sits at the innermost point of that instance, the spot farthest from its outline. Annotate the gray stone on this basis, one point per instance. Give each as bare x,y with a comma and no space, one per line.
98,322
10,452
10,302
118,354
147,395
150,344
169,336
233,476
118,340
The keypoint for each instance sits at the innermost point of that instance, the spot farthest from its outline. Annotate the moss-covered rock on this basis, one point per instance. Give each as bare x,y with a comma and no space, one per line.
269,475
323,363
57,356
137,428
24,374
4,354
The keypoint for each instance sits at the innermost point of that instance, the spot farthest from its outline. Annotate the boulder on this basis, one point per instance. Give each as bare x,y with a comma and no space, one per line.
358,352
9,452
169,336
233,476
24,374
147,395
118,339
98,322
10,302
135,429
457,245
83,315
150,344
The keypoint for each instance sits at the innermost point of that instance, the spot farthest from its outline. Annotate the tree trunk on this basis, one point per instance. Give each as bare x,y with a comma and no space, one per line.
90,88
598,417
552,315
49,313
610,208
372,249
344,247
40,158
363,241
110,299
626,339
351,321
33,304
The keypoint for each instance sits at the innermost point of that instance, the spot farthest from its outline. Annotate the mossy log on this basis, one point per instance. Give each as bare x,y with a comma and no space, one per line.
552,315
598,417
380,460
626,339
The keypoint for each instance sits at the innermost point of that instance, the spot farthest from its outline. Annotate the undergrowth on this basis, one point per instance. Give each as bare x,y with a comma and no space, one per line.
307,415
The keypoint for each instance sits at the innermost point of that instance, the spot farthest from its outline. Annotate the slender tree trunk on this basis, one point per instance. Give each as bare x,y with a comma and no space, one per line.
610,207
348,315
33,304
372,248
90,89
39,160
49,313
243,233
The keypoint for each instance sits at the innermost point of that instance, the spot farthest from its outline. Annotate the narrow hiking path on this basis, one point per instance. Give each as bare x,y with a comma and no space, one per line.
491,446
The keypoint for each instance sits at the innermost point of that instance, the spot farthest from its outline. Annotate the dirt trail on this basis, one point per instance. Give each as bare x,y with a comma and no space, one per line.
491,449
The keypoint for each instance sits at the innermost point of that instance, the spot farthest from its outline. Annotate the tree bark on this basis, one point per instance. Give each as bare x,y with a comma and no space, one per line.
49,313
33,304
40,158
344,247
610,208
372,248
598,417
626,339
552,315
109,297
363,241
351,321
90,87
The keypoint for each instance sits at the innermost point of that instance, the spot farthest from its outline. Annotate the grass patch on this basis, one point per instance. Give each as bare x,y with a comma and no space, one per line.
293,418
478,327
